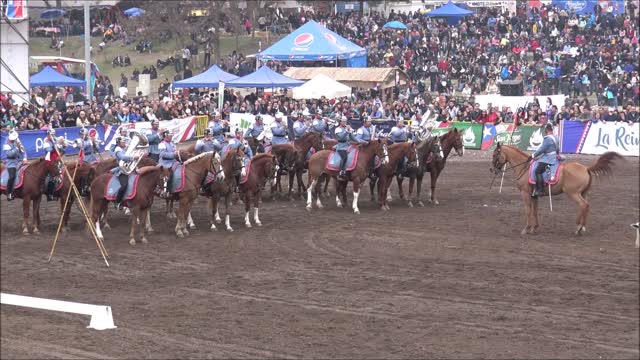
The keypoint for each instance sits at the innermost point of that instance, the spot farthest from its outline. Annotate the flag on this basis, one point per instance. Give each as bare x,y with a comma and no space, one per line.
81,156
15,9
488,133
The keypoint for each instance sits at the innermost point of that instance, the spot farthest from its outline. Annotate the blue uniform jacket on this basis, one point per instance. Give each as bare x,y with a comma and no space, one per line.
363,134
299,129
120,154
319,126
279,131
154,140
14,155
398,135
204,145
90,150
235,143
343,136
217,130
253,131
548,150
167,154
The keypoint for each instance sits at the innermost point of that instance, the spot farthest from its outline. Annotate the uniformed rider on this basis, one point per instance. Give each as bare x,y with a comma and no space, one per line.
238,142
49,146
254,131
207,143
319,125
168,153
279,131
300,127
120,154
153,137
343,135
124,135
16,155
88,146
218,127
547,155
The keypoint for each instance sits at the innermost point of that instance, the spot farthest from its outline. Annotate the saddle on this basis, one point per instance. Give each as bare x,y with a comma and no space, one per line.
113,186
19,180
177,178
551,175
247,167
334,159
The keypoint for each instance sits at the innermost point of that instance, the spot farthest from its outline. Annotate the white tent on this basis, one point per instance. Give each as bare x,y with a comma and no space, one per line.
321,85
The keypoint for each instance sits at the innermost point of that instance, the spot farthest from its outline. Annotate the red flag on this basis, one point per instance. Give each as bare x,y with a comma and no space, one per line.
81,156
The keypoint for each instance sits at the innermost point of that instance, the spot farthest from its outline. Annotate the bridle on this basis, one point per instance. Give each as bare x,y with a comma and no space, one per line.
504,166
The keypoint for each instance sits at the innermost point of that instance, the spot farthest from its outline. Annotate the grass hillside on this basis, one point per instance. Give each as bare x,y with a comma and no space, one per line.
74,47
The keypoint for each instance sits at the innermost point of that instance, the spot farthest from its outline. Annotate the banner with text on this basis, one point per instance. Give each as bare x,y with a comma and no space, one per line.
33,140
471,133
524,137
182,129
597,138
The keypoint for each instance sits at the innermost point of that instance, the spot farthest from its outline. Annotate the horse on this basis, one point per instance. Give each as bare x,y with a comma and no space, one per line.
328,144
196,170
302,147
317,169
439,151
150,180
84,175
397,152
263,168
106,165
232,164
286,157
33,188
574,180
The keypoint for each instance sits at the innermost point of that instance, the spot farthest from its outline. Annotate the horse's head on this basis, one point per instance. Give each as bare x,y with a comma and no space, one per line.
238,161
215,166
412,156
499,159
55,168
381,149
316,139
271,170
436,148
456,139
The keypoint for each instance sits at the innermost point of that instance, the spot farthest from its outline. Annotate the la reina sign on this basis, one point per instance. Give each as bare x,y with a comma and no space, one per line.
622,138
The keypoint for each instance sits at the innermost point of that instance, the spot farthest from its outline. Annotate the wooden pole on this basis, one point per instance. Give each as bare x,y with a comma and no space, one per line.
64,208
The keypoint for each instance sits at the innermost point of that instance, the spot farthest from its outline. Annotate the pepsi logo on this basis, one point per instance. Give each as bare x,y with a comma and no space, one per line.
303,40
332,39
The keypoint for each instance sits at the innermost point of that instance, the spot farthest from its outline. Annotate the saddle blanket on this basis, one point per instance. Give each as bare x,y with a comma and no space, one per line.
4,178
177,178
111,191
247,169
268,149
310,153
334,158
551,176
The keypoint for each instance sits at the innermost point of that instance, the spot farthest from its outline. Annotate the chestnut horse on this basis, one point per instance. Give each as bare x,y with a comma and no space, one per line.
397,152
439,151
263,169
33,188
317,169
232,164
196,170
82,181
148,183
574,180
302,146
328,144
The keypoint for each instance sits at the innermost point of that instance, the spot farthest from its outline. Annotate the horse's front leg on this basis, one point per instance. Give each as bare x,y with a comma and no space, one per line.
147,223
301,188
356,194
65,211
256,207
434,180
412,181
372,186
143,224
526,198
135,216
382,193
292,176
399,180
36,214
180,223
419,179
310,191
247,208
227,209
26,202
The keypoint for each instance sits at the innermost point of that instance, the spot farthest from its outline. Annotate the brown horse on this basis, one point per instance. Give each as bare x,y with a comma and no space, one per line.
439,152
302,146
82,181
385,173
33,188
263,169
150,179
196,170
317,169
574,180
328,144
106,165
232,164
286,157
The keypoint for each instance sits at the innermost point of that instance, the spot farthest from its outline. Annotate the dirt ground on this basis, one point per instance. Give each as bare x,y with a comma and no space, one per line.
455,280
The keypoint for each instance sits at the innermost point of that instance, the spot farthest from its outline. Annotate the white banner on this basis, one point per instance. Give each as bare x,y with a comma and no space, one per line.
182,129
514,102
605,136
244,120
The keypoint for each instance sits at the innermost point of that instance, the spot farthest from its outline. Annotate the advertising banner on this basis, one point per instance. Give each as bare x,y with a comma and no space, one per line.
471,133
33,140
182,129
581,7
597,138
524,137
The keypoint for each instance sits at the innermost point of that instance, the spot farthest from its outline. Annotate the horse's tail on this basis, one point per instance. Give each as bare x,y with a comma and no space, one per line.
602,166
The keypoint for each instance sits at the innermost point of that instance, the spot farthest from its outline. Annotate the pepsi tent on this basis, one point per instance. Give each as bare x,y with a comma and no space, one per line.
451,11
210,78
264,78
314,42
50,77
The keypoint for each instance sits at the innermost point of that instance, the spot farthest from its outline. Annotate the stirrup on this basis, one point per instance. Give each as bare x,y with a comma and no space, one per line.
10,197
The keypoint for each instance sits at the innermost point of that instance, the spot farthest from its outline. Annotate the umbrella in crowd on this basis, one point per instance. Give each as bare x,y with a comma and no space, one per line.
134,12
395,25
52,14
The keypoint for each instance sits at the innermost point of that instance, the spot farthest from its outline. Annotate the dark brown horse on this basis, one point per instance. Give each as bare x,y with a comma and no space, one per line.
196,170
33,188
84,175
437,152
150,180
302,146
575,180
232,164
263,169
286,157
317,169
385,173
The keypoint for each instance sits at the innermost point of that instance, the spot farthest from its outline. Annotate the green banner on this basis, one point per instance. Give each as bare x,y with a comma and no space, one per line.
525,137
471,133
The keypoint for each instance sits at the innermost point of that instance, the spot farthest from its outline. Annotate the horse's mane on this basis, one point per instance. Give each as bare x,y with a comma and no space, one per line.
147,169
259,157
197,157
516,150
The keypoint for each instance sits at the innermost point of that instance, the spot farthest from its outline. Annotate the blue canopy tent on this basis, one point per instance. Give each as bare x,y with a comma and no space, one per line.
394,25
210,78
451,12
134,12
264,78
51,14
49,77
314,42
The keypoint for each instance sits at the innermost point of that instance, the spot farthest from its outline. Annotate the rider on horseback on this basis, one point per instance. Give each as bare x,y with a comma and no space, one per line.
153,137
254,131
217,127
168,153
120,154
319,125
207,143
547,154
398,135
343,135
239,142
124,135
15,156
54,149
279,131
364,135
89,146
300,127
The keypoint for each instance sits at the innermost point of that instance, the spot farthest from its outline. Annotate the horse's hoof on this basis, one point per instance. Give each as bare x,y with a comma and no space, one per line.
420,203
132,242
230,229
320,206
247,225
213,228
258,223
25,232
308,207
64,229
356,212
144,240
383,208
583,230
101,238
179,234
150,230
36,231
410,204
436,202
107,226
523,232
185,232
192,226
